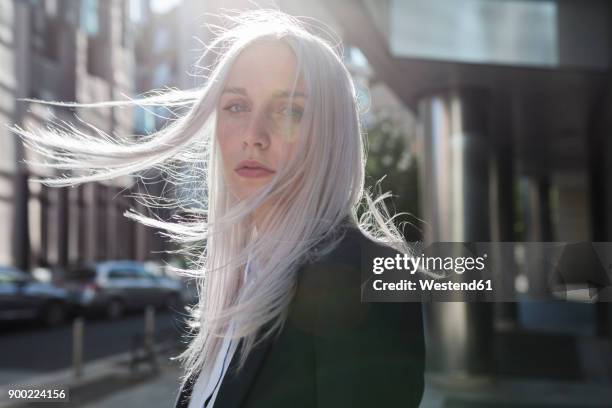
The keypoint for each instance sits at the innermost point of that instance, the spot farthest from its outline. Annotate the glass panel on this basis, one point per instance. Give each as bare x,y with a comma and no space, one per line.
90,22
507,32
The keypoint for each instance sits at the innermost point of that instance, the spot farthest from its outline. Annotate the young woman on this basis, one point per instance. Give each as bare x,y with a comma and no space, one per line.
275,152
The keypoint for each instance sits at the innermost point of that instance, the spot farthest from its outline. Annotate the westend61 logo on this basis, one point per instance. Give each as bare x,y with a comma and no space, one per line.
412,264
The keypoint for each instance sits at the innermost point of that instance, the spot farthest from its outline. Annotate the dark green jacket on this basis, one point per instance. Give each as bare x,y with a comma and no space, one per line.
334,351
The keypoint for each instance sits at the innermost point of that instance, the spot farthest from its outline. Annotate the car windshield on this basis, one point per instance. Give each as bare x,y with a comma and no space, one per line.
12,275
81,273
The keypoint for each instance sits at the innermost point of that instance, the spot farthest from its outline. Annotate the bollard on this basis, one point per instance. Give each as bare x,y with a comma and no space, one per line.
149,340
149,326
77,346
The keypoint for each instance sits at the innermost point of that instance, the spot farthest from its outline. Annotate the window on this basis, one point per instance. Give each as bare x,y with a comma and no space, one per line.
84,273
12,276
69,9
97,57
162,75
126,26
141,273
44,34
98,36
90,17
144,120
161,40
122,274
146,274
51,7
125,271
136,11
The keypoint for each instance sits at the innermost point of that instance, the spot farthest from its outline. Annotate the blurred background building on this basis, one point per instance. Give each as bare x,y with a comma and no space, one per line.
512,105
66,51
492,119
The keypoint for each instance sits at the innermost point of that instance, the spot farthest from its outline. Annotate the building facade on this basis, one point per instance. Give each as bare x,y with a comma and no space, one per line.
66,50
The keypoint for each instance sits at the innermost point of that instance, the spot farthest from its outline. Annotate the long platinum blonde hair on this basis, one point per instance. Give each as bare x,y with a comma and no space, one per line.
215,227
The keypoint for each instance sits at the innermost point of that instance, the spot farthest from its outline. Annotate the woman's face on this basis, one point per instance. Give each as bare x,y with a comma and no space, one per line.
257,121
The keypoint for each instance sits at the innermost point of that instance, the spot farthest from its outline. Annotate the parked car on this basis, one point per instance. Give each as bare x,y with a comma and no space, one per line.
23,297
114,287
189,293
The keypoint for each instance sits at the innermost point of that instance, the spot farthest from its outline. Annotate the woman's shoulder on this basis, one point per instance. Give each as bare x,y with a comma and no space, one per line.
344,267
353,250
329,290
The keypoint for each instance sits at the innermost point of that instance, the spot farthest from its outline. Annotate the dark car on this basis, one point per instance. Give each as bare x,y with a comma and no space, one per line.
114,287
23,297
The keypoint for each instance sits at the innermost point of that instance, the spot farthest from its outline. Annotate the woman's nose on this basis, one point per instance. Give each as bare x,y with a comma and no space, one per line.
256,134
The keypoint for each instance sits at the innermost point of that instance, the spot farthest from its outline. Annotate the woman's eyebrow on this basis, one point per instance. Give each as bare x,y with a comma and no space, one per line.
289,94
278,94
235,90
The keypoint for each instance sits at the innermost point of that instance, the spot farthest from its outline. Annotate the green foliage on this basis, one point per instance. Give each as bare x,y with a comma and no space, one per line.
390,159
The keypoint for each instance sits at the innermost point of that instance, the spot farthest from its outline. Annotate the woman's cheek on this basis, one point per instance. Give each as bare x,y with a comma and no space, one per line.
227,135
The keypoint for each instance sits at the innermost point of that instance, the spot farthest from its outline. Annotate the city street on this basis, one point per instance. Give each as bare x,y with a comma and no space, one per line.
290,164
29,350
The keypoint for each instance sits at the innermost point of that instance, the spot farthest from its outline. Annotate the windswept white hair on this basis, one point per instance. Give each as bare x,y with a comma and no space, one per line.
328,168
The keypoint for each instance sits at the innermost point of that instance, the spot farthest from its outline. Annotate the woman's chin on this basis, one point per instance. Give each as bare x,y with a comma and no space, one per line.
246,194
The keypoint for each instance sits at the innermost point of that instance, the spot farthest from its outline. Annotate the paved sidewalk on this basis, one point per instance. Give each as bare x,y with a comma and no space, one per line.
109,382
160,391
146,389
515,392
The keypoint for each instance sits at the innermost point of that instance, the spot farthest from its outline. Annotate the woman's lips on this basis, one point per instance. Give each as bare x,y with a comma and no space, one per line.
254,172
252,169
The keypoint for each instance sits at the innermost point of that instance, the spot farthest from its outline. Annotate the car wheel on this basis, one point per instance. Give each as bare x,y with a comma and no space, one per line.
54,314
114,309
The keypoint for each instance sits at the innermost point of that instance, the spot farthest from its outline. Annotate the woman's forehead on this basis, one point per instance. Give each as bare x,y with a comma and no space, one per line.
265,65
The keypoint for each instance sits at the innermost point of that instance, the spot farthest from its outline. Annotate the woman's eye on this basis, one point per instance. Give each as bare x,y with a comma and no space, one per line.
235,108
293,112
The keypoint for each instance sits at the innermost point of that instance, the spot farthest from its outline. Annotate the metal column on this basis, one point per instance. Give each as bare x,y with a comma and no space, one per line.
454,130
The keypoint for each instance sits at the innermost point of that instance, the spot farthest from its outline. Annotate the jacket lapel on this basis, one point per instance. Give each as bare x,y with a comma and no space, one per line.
234,388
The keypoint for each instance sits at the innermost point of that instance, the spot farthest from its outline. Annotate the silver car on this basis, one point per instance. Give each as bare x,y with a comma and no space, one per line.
114,287
22,297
